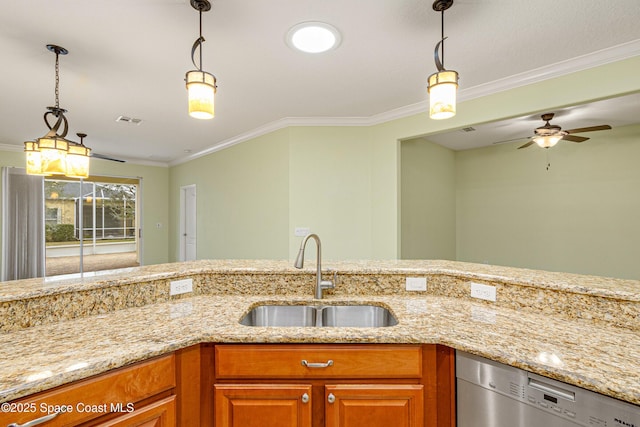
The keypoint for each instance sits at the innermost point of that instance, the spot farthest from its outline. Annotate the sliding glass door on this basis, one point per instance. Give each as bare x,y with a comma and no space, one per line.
61,226
91,225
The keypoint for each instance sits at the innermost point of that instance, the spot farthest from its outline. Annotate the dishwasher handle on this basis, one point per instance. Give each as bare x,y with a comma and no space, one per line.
551,389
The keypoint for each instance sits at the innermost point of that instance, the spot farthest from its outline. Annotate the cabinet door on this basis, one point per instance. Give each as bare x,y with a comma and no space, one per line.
158,414
262,405
374,405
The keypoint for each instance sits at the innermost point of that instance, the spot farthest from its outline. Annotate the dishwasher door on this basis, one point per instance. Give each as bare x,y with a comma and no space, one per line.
479,407
491,394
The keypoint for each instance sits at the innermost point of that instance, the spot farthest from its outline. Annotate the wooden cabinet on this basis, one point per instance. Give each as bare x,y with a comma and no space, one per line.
326,385
139,395
374,405
266,405
157,414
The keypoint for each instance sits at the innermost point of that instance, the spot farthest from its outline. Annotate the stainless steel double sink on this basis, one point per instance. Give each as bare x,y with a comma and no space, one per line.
359,316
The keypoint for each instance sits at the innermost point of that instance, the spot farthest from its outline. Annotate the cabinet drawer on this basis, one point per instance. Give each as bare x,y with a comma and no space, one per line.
322,361
91,398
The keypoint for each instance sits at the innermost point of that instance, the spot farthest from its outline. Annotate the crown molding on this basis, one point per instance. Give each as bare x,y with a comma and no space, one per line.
11,147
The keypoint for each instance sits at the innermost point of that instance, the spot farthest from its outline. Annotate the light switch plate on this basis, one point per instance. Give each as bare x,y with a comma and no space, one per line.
181,286
485,292
416,284
302,231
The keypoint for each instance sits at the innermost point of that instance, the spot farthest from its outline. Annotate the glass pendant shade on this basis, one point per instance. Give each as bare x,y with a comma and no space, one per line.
78,161
547,141
34,158
201,88
442,88
53,152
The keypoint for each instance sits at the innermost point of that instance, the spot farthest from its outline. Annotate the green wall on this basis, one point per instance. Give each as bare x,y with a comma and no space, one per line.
242,200
580,215
428,201
331,190
506,207
155,204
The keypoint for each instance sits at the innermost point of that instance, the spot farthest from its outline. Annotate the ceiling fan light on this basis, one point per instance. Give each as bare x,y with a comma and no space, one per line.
547,141
78,161
201,89
442,88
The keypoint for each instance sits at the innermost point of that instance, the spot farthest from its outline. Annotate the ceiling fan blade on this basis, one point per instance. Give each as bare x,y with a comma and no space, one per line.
574,138
510,140
589,129
526,145
103,157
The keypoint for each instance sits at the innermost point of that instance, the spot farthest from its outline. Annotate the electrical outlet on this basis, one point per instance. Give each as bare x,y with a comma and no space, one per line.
485,292
181,286
416,284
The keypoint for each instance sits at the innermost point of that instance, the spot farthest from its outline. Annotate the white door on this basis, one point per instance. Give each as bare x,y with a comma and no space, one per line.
188,223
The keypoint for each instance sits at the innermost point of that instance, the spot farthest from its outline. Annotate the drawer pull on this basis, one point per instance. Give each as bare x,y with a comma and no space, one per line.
317,365
331,398
305,398
37,421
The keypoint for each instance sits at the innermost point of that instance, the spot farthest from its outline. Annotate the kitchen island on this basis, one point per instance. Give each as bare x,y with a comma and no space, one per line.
582,330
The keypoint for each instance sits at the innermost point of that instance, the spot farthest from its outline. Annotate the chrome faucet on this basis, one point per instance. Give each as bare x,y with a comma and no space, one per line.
320,284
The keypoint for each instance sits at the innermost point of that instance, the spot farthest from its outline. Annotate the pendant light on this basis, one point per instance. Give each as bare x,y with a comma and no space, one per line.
443,84
50,154
201,86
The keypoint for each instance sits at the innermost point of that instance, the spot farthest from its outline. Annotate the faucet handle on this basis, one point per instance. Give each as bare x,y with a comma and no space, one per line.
328,284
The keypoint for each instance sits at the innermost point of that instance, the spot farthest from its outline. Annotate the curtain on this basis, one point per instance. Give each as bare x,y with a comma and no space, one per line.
23,238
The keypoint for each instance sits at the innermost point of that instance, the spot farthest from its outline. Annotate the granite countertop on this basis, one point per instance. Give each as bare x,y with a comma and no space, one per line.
600,357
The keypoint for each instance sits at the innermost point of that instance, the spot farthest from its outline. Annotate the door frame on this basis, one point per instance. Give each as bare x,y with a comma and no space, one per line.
182,253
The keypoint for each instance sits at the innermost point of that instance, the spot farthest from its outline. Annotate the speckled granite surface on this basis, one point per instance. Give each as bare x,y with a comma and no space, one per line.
128,317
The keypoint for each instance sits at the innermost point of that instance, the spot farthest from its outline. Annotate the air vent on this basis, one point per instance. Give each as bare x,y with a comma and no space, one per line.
129,120
516,390
468,129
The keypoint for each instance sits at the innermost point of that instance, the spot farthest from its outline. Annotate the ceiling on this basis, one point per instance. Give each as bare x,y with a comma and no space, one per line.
129,58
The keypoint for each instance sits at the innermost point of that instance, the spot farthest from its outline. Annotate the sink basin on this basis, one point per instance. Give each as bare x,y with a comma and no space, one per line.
361,316
281,315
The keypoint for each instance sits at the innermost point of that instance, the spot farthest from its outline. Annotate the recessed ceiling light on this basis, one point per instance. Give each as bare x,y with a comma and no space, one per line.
313,37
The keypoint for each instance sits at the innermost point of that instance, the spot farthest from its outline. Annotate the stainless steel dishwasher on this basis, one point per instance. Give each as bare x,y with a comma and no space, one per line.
491,394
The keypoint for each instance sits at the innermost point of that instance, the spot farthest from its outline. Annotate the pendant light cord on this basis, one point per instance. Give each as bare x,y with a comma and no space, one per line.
57,91
442,34
201,39
198,45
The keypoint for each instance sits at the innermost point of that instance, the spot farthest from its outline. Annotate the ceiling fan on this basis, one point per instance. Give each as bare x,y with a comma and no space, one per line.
548,135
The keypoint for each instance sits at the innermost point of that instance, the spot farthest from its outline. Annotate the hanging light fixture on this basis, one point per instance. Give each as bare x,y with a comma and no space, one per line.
50,154
201,86
443,84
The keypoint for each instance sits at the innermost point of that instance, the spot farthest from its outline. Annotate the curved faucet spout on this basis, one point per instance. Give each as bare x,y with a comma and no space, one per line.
299,263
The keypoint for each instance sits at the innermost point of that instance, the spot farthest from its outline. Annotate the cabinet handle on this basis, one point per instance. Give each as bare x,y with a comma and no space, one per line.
331,398
305,398
37,421
317,365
